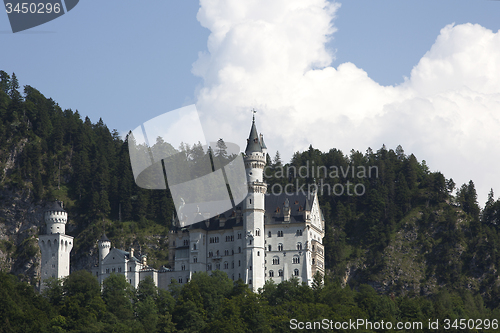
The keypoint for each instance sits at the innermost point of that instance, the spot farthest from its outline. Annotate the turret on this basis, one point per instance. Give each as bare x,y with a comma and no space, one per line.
253,210
55,218
104,247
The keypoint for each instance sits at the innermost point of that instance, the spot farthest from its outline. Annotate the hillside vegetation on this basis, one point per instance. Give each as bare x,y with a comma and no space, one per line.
397,227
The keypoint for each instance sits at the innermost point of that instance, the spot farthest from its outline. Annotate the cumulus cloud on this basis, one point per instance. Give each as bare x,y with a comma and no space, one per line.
271,55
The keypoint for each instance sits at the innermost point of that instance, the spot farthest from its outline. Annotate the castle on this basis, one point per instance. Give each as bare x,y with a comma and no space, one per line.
266,237
55,245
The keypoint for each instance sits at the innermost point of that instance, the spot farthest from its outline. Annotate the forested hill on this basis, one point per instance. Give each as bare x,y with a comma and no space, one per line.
396,226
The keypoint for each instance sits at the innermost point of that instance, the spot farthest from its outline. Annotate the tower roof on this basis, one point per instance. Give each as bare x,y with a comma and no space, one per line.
54,207
253,142
104,238
263,145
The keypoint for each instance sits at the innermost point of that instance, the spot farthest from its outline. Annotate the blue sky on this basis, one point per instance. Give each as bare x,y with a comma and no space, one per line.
129,62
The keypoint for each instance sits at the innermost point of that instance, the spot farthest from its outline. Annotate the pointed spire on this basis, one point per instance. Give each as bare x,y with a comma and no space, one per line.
253,142
262,144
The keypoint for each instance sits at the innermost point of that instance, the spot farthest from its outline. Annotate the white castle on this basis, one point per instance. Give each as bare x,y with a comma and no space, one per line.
266,237
55,245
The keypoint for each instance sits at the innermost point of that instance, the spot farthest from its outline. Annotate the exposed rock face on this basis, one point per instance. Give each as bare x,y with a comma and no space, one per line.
20,222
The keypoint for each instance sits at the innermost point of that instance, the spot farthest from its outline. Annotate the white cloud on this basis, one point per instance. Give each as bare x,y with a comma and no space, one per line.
271,55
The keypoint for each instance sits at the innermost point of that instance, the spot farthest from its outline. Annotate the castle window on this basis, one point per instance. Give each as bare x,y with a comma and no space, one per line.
239,235
250,281
299,246
276,260
299,232
130,269
249,242
113,270
186,242
119,269
195,259
239,249
239,275
183,267
296,260
313,261
280,272
217,253
269,234
280,247
269,248
313,248
239,263
226,265
233,277
130,281
226,252
232,264
258,253
232,252
250,201
210,254
280,233
216,239
257,232
180,280
217,266
107,270
296,272
271,273
209,267
194,246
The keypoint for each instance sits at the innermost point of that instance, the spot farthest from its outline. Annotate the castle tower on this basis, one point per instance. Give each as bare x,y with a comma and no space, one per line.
253,211
55,245
104,247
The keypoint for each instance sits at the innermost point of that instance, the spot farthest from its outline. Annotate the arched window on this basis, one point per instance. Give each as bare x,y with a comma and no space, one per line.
194,246
296,259
280,272
280,233
195,259
299,246
313,261
239,249
276,260
269,234
226,265
280,247
269,248
257,232
271,274
296,272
